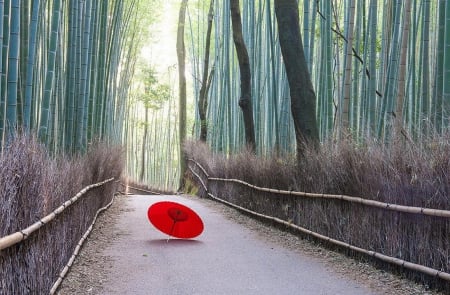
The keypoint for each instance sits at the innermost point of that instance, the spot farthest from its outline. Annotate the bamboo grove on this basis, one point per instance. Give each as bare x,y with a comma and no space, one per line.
373,63
66,68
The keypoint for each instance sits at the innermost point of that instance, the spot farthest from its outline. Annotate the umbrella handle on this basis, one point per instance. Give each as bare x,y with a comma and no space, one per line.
171,230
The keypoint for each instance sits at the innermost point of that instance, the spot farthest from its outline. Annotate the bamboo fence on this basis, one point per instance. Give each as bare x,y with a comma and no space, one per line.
359,200
399,208
77,249
127,186
12,239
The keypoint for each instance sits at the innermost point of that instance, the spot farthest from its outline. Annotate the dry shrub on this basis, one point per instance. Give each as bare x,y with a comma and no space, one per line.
32,184
400,173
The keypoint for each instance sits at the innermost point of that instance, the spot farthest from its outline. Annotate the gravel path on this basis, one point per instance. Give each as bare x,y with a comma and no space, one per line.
126,255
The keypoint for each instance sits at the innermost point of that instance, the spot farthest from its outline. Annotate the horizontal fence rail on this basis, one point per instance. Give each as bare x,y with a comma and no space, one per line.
139,189
398,208
371,203
12,239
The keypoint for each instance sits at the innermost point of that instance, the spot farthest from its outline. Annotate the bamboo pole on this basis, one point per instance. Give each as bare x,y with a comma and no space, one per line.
12,239
392,260
359,200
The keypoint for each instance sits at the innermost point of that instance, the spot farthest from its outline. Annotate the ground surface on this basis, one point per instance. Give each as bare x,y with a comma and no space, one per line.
234,255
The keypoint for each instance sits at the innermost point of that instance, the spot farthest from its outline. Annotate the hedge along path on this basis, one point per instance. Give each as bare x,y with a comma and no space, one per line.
409,265
12,239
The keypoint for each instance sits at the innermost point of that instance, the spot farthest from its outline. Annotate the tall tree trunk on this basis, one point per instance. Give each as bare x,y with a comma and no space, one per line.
203,99
245,102
181,55
303,97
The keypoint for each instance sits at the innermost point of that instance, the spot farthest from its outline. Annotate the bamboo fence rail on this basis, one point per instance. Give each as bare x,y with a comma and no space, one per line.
77,249
371,203
139,189
399,262
12,239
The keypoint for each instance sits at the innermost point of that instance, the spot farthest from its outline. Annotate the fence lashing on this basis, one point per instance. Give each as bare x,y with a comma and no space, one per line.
399,208
12,239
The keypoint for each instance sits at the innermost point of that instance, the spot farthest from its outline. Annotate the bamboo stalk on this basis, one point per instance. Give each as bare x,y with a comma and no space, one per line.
371,203
12,239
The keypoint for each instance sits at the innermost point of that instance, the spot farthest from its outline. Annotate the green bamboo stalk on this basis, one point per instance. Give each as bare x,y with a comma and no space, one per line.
446,70
30,68
439,69
372,96
387,107
345,119
402,69
2,71
425,64
23,56
81,135
13,67
50,73
182,86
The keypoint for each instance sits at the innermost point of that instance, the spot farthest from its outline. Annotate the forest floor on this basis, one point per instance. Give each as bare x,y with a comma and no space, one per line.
125,255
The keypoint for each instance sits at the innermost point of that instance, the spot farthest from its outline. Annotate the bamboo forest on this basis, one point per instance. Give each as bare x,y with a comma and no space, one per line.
75,71
284,126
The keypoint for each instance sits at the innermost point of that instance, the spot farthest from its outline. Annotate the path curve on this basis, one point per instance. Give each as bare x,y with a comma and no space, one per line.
228,258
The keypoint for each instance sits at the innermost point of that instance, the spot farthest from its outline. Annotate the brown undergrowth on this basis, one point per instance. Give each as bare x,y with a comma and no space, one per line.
401,173
32,185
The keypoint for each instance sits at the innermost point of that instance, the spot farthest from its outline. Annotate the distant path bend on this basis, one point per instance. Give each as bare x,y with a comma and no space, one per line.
228,258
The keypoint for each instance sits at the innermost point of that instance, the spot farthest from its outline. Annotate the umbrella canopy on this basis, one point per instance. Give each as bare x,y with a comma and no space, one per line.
175,219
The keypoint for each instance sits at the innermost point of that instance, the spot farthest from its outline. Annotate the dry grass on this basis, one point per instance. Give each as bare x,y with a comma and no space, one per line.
32,185
402,173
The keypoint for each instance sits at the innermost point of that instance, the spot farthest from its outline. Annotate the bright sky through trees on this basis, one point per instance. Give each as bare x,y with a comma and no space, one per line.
160,49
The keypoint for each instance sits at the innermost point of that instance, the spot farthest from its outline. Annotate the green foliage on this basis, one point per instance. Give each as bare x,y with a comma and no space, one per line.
154,93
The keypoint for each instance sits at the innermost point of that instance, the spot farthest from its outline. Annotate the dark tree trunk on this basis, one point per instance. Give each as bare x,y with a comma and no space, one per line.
182,87
245,102
303,97
203,101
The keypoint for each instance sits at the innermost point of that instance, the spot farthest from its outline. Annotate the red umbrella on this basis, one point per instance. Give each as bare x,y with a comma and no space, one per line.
175,219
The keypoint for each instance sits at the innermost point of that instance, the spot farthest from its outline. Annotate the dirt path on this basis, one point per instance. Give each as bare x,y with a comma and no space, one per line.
234,255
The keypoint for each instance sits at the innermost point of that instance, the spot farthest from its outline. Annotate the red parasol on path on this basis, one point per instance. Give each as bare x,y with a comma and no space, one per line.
175,219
